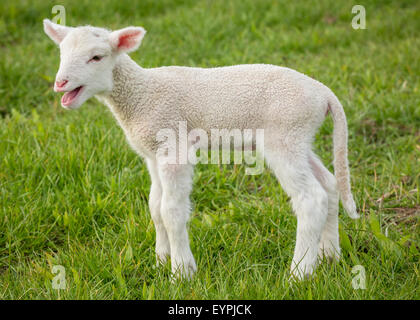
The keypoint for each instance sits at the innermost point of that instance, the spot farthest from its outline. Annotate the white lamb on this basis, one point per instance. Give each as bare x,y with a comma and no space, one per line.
286,104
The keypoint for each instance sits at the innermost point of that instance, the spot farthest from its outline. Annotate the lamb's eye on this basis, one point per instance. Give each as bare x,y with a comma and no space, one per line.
96,58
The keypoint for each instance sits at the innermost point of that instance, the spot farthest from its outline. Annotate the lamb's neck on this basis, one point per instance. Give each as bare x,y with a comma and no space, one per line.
129,84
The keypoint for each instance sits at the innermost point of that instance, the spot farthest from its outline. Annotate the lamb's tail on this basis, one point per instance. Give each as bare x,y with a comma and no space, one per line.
341,166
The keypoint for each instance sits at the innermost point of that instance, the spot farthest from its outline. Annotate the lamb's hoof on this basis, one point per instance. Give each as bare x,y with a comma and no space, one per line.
161,259
331,254
301,272
299,277
184,271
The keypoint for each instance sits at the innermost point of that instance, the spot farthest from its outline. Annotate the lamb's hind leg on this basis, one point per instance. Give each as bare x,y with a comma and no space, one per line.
309,201
175,208
163,249
329,246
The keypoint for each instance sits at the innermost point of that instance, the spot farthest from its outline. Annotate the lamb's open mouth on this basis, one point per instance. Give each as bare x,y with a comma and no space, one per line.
69,97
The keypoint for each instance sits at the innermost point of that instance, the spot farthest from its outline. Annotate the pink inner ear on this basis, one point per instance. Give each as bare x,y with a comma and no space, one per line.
128,40
54,34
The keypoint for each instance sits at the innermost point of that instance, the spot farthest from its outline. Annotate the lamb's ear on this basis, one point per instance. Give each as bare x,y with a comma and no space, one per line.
55,31
127,39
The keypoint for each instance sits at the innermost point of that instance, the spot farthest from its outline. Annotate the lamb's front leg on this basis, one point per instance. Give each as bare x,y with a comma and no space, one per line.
175,208
163,249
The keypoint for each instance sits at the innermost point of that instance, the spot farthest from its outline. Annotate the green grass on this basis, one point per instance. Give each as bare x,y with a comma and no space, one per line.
72,193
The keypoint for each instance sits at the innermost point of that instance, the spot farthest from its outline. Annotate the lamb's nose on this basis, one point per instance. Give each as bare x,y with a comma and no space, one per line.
60,84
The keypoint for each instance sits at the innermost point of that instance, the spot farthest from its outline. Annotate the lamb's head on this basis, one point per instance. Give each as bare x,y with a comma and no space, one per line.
87,59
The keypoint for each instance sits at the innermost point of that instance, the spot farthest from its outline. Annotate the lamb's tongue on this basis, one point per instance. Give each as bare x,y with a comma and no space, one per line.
68,96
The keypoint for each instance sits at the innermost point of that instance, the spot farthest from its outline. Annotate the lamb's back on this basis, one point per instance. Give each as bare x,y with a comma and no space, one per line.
241,96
